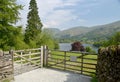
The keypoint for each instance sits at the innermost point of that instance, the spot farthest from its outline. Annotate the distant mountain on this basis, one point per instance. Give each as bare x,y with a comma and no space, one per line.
53,31
102,32
94,33
75,31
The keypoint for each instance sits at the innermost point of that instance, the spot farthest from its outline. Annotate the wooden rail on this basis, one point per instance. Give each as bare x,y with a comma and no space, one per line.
79,62
21,61
27,60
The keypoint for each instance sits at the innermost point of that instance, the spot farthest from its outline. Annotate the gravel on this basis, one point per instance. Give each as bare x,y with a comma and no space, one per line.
50,75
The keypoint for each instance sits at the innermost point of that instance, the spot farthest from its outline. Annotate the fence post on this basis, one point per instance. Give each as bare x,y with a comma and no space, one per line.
45,56
82,63
30,56
65,60
21,53
11,52
42,50
1,53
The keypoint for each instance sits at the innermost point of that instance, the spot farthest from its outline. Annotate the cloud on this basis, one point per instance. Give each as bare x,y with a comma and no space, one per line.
55,13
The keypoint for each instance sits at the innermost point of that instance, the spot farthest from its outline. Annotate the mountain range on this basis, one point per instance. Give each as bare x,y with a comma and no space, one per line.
94,33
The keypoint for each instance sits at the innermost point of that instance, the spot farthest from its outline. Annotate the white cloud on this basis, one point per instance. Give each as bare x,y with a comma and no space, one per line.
59,17
50,15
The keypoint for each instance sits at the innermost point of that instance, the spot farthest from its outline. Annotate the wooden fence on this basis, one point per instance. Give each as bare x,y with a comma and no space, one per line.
27,60
20,61
6,66
79,62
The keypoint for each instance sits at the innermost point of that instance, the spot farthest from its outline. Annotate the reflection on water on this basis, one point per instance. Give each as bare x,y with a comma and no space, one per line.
67,46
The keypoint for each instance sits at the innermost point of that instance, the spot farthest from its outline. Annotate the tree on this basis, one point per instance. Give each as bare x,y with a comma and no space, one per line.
34,24
45,38
9,12
114,40
77,46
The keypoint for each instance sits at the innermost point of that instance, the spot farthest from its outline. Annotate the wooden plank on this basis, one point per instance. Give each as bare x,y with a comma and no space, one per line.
90,59
73,69
89,68
27,50
5,66
54,58
82,64
64,60
89,63
57,55
19,61
73,65
73,61
58,66
42,53
35,58
56,63
89,72
29,54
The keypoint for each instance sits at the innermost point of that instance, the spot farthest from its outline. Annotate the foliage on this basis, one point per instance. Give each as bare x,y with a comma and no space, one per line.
8,12
94,79
10,36
46,39
13,38
89,49
6,80
77,46
34,24
114,40
98,43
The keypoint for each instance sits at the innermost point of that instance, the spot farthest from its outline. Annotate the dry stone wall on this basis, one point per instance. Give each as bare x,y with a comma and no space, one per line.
6,66
108,67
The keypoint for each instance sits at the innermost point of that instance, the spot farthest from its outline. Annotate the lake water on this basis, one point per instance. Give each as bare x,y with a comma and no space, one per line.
67,46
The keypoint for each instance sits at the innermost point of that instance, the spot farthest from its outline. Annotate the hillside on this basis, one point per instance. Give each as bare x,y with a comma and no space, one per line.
95,33
75,31
102,32
53,31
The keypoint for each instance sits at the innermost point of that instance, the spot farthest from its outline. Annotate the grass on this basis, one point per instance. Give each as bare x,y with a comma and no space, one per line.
6,80
94,79
74,65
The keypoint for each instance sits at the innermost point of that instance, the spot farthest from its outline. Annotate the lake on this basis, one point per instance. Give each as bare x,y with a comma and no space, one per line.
67,46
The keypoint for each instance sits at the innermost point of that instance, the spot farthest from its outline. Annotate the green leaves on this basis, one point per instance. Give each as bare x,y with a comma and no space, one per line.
9,12
34,24
114,40
10,36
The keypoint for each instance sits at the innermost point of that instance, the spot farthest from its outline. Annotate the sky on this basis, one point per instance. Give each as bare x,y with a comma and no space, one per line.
65,14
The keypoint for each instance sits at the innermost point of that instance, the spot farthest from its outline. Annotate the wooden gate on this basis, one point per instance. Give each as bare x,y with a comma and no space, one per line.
27,60
79,62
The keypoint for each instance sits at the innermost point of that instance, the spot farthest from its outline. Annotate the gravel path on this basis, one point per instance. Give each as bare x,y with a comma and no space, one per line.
50,75
21,68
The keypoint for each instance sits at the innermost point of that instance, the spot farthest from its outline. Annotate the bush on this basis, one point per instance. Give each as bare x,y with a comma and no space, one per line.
77,46
114,40
46,39
94,79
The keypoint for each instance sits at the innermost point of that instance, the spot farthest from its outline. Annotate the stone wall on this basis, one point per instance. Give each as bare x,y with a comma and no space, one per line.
6,66
108,67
